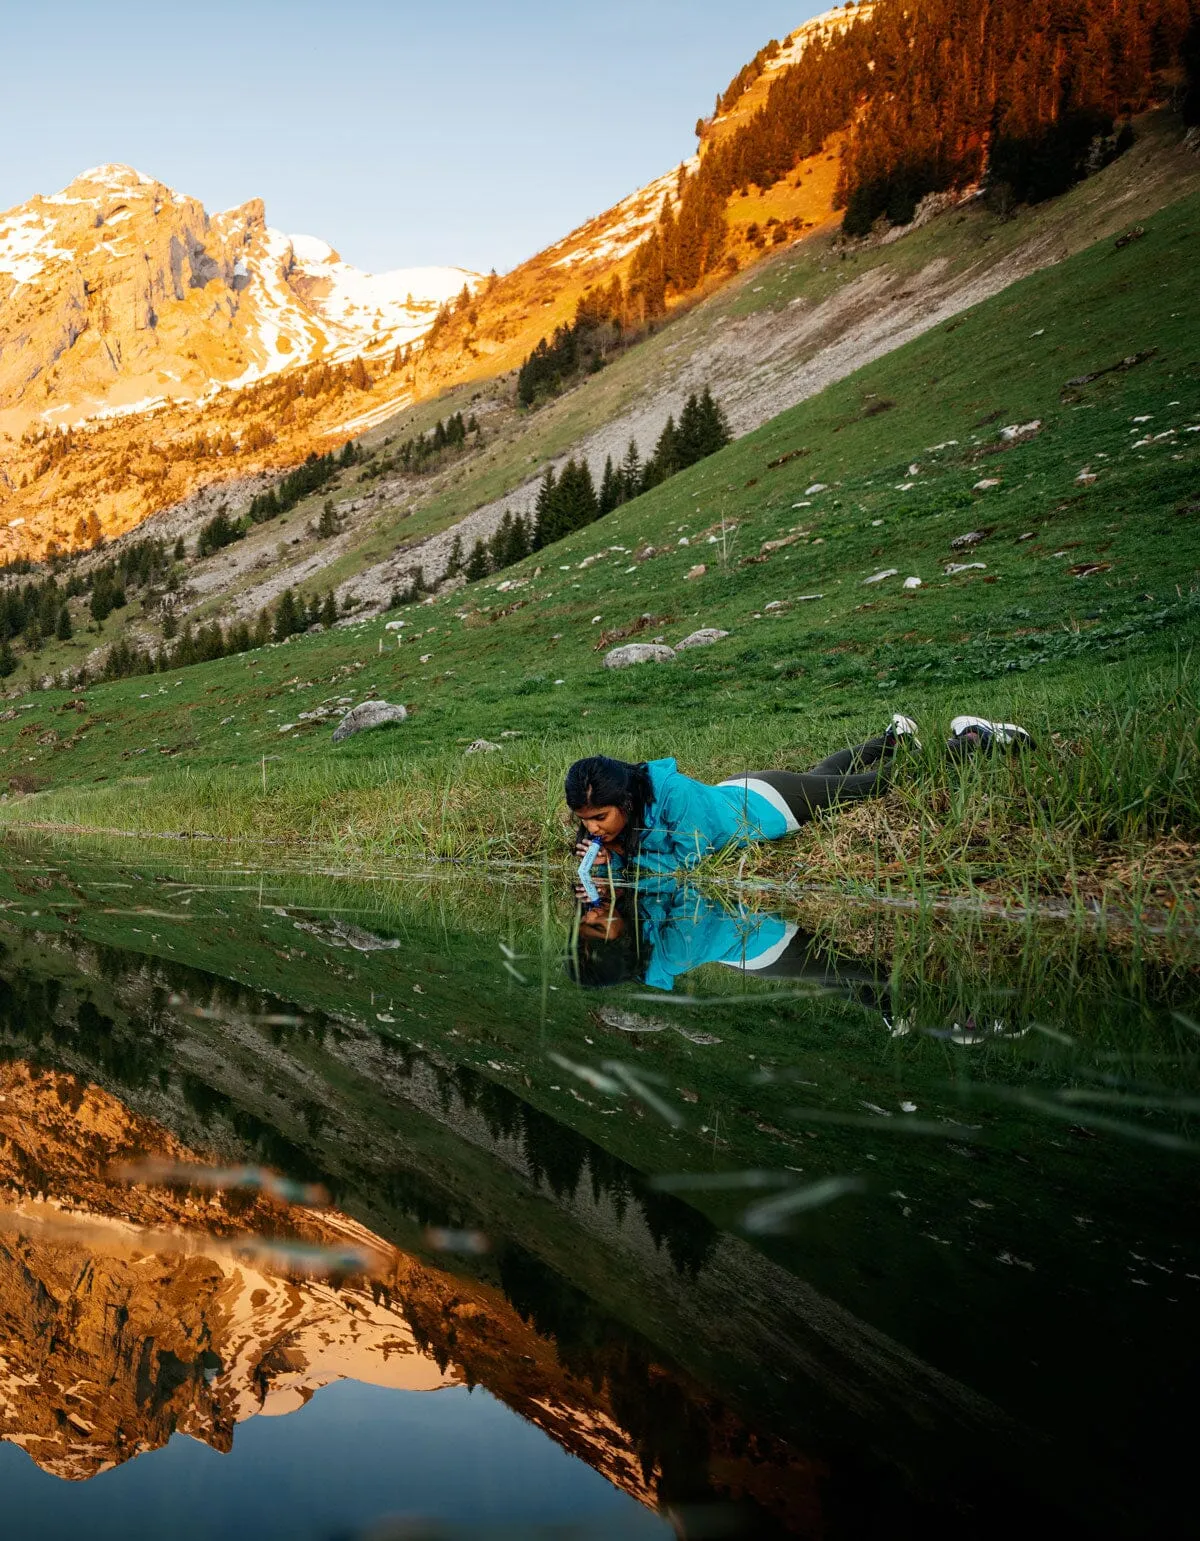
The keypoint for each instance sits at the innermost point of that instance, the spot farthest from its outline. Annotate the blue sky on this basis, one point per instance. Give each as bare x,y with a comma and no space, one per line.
472,134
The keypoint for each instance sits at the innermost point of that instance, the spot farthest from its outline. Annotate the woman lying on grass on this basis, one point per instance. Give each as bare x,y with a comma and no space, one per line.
654,818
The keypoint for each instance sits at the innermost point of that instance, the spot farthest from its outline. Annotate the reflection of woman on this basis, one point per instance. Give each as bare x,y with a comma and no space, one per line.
655,817
663,931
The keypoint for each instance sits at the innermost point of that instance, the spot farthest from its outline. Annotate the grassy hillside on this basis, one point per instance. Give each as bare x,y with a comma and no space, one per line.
1074,624
805,316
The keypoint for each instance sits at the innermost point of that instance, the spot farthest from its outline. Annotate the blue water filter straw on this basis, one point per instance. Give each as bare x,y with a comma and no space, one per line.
585,869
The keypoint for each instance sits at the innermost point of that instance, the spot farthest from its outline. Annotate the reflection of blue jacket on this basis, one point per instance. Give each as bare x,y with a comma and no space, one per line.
681,929
688,820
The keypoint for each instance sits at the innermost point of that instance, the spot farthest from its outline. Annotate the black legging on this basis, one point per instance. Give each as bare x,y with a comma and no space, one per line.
815,962
844,777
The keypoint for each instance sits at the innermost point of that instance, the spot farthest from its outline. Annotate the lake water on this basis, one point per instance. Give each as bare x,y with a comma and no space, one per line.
349,1208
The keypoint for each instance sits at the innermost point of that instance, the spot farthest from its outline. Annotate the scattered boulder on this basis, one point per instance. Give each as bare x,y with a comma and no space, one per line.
696,572
912,583
888,572
482,746
340,933
629,1022
1086,477
971,538
705,637
371,714
1018,431
638,652
816,487
986,484
963,567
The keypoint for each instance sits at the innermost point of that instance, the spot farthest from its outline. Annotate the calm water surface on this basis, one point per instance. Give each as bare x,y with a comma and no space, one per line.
338,1208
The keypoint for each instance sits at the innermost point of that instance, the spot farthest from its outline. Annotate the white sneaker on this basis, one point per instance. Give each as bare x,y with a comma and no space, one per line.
902,727
1008,735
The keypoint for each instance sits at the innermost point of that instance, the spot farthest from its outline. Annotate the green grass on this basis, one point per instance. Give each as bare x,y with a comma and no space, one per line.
1097,665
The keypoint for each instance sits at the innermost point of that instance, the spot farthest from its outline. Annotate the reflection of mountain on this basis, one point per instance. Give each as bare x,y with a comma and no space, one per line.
128,1316
679,1361
111,1345
647,1333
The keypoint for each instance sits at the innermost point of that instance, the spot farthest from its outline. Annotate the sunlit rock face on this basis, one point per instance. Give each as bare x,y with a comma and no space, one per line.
118,294
148,348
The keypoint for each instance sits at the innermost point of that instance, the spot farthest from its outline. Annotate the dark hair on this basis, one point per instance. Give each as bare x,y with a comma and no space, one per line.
599,782
596,963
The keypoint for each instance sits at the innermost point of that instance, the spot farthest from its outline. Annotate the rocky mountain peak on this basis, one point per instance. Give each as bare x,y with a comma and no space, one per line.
118,294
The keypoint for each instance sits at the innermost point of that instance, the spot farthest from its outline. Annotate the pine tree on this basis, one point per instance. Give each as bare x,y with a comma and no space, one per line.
328,524
576,504
454,562
329,610
169,625
501,540
631,473
545,511
63,629
521,542
714,426
665,461
287,620
610,488
478,565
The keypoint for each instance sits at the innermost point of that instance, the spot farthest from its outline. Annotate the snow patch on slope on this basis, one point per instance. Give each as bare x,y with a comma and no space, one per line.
615,234
400,303
27,247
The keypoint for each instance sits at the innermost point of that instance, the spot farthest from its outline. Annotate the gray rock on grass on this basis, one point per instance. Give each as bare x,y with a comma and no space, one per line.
638,652
481,746
371,714
705,637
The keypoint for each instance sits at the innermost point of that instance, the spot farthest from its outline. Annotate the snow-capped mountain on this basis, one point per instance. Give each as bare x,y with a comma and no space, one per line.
118,294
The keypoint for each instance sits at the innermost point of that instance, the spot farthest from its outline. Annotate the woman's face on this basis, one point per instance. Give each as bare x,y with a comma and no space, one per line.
601,924
606,821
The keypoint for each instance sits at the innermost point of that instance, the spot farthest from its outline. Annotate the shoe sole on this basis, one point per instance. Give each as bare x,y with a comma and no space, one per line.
1005,734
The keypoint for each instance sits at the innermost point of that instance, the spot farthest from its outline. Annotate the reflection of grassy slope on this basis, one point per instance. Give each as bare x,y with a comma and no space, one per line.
1024,637
445,1117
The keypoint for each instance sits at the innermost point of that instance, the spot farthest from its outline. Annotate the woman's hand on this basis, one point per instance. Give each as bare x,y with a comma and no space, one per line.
583,846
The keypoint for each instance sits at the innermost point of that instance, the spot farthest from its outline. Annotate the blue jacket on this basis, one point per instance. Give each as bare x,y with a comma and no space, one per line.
681,929
688,820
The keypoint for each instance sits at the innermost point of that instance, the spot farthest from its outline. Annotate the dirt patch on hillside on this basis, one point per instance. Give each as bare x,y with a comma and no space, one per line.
758,365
